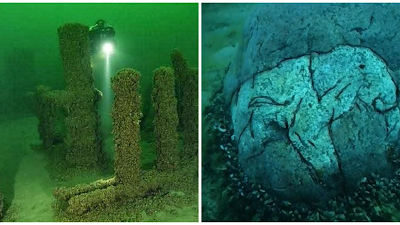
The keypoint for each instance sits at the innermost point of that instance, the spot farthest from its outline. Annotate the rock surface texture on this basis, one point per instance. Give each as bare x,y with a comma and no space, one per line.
277,32
314,98
317,124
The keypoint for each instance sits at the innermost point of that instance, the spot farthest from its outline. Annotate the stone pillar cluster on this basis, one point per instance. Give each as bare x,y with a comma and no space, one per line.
82,139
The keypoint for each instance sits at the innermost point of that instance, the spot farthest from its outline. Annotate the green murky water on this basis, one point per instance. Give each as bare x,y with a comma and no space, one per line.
145,36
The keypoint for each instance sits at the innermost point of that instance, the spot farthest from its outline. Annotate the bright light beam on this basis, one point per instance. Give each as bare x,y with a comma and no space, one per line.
106,101
108,48
107,73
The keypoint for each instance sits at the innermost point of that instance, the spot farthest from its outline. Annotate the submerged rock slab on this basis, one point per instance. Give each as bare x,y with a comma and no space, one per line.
315,125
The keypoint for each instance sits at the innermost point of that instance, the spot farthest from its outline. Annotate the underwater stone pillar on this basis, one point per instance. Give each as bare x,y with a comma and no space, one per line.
190,113
48,108
187,94
166,118
180,69
83,139
126,128
75,55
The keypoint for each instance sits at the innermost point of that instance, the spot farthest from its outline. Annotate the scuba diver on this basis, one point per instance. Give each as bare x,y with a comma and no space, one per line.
100,34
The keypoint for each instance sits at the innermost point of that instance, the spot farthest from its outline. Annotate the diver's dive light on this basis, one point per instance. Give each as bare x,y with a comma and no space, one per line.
101,37
108,48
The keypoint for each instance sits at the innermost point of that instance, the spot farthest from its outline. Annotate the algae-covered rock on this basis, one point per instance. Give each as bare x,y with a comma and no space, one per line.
80,204
65,193
180,67
190,107
51,113
75,56
315,125
126,128
82,124
166,118
187,95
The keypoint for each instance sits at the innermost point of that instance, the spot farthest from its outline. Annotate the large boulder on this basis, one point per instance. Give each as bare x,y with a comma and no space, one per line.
315,125
314,98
